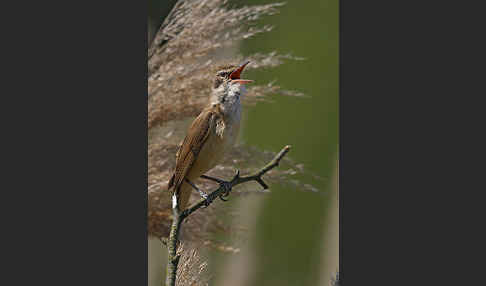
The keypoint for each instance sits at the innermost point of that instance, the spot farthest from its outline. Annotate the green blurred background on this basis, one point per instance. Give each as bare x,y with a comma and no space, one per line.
291,231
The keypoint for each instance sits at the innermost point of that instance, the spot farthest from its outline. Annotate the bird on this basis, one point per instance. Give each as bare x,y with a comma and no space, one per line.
211,134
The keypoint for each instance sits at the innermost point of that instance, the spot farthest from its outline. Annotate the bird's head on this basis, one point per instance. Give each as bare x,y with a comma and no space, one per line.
228,87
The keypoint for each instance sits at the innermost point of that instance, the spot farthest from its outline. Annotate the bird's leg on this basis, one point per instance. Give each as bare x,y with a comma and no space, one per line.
219,181
224,184
201,193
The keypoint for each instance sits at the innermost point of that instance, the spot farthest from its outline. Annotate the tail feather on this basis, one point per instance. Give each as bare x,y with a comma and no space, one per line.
184,191
171,181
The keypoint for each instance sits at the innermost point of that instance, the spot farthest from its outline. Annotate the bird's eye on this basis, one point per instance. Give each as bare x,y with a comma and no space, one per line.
221,73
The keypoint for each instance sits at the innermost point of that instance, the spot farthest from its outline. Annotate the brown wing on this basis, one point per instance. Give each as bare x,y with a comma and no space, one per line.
192,145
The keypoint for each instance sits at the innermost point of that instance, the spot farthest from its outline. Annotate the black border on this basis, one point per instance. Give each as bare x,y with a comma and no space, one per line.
405,69
79,209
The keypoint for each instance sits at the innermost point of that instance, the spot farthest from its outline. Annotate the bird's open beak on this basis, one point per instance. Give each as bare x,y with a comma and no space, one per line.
235,75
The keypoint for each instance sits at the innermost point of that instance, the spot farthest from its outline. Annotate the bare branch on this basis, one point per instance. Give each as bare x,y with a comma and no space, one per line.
223,190
226,187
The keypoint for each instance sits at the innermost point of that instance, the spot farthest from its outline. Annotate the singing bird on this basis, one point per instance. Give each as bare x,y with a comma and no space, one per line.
211,134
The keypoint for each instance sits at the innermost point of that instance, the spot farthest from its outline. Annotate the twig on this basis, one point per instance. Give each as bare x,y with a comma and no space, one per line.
236,181
222,191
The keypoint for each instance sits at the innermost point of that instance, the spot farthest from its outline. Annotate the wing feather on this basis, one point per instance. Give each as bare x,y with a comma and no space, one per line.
191,146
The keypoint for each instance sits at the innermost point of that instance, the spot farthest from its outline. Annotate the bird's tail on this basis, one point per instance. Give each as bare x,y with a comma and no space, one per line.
184,191
171,181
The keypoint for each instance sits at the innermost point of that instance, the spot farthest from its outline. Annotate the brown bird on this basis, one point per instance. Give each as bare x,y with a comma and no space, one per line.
211,134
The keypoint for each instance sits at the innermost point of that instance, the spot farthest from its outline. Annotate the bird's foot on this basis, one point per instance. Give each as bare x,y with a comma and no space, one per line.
207,202
201,193
205,196
227,186
227,189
